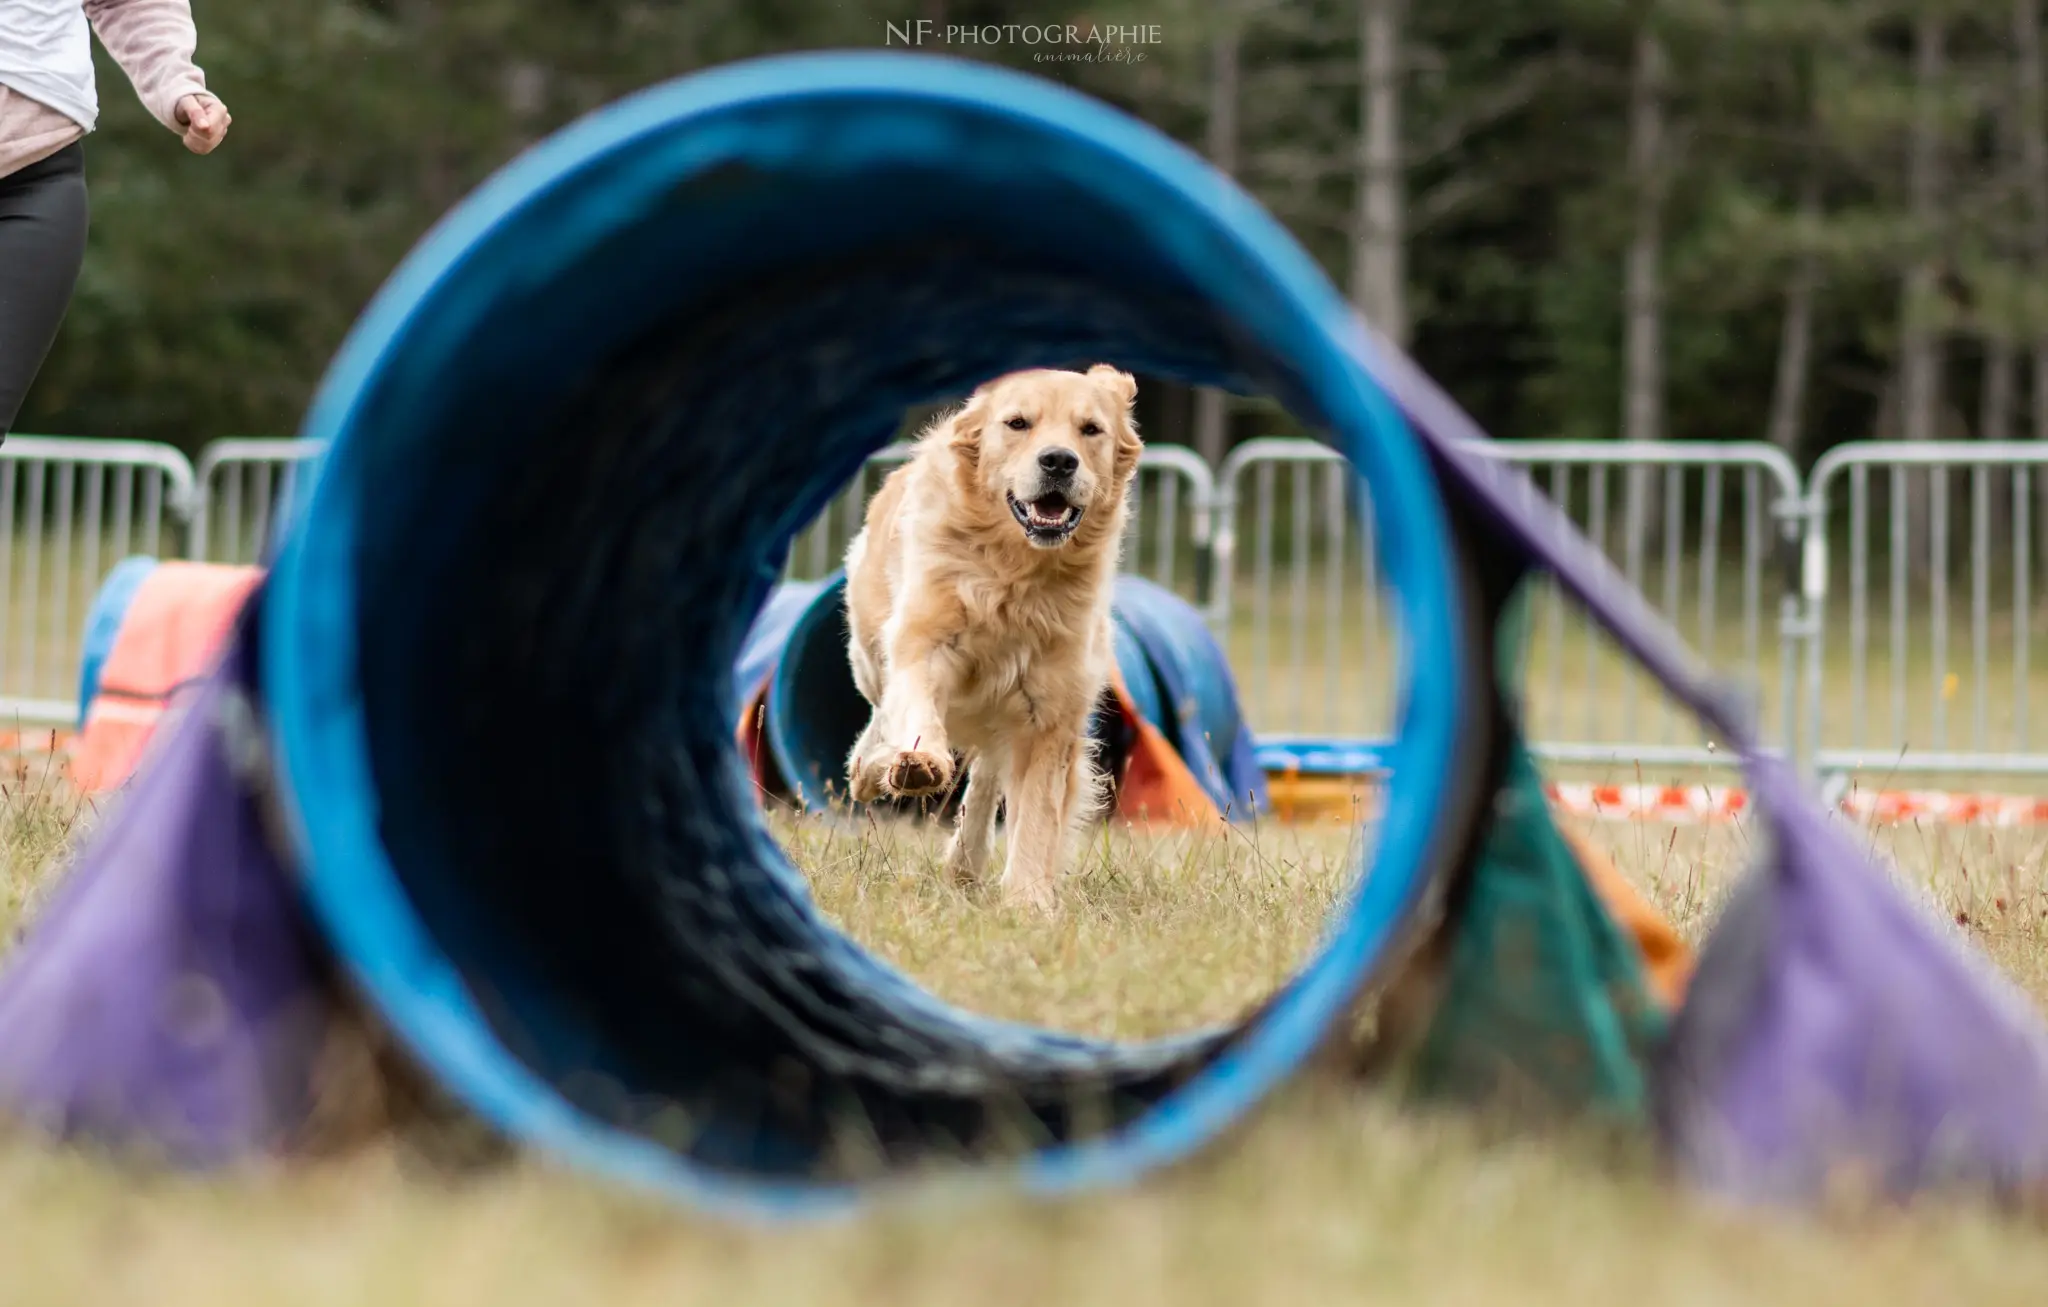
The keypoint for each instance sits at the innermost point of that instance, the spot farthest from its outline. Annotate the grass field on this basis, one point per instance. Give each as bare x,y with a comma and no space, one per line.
1329,1196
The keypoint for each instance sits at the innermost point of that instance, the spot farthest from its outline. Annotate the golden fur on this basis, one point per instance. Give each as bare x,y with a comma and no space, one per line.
976,628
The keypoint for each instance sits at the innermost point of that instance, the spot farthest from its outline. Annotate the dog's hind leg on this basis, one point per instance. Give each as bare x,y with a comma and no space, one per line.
1087,791
974,840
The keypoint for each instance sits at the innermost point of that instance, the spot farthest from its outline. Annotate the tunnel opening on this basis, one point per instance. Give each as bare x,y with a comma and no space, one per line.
569,447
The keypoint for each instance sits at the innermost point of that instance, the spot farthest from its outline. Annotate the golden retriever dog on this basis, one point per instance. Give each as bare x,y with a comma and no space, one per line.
977,599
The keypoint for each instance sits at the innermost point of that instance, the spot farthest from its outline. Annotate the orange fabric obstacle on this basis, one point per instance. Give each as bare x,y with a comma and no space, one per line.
1667,958
1155,786
175,625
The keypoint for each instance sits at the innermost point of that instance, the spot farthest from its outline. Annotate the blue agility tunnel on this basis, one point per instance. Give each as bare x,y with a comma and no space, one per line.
569,444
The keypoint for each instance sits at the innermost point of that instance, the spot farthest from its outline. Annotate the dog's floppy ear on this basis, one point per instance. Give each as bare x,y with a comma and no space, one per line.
1121,384
963,429
1125,387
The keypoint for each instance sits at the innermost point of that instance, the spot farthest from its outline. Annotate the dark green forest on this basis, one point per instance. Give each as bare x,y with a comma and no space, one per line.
1807,221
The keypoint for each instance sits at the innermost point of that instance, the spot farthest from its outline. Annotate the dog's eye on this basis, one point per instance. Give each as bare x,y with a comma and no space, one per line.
1090,429
1017,424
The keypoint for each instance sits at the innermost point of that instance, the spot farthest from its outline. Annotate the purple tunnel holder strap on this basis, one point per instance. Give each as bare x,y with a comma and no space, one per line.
1549,538
1833,1025
1838,1029
172,995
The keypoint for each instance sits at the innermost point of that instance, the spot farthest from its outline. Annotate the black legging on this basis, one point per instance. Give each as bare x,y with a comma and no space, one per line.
42,243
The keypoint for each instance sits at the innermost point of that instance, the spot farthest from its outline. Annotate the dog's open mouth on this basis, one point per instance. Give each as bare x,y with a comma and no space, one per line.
1048,519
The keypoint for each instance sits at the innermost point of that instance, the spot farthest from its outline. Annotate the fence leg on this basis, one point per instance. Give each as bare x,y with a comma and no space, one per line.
1812,524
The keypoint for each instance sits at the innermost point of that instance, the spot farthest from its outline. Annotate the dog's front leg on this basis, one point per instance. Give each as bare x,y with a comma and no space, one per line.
1048,778
974,840
907,753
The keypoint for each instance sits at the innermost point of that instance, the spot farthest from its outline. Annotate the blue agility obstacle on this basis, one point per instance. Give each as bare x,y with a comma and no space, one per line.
567,447
737,283
794,679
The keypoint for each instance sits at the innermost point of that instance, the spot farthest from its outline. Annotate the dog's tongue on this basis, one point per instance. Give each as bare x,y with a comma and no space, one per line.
1049,509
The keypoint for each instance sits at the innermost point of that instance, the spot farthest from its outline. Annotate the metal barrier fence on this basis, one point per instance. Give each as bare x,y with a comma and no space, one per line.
1906,686
1705,532
245,487
69,511
1917,655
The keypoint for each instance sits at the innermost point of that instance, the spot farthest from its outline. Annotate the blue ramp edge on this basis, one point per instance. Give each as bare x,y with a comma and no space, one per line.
103,623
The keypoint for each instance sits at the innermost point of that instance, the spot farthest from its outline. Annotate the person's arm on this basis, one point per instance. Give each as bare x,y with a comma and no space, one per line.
153,41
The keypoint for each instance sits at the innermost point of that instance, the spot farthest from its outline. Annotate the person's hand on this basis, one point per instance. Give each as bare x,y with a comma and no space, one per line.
205,121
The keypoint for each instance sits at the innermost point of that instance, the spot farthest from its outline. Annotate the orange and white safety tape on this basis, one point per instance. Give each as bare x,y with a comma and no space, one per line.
1319,798
1669,804
56,740
1688,804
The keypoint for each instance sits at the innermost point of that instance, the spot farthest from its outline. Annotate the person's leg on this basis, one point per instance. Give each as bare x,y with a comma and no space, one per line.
43,218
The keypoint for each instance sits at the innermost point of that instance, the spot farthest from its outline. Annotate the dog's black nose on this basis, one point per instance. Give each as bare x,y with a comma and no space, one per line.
1059,462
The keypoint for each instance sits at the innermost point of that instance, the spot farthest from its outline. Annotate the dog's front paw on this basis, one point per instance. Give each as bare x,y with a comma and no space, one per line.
913,773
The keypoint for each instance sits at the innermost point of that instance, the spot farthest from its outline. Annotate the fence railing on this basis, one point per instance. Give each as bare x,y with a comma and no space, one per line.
244,490
1910,666
69,511
1706,532
1881,613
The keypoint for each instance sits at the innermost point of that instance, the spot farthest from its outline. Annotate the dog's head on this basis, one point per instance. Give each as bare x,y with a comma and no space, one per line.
1056,449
